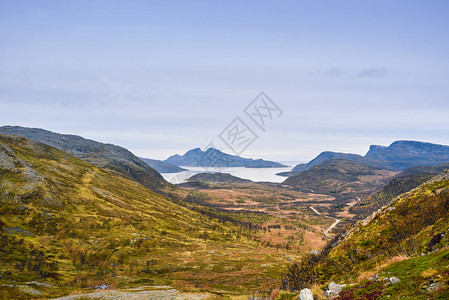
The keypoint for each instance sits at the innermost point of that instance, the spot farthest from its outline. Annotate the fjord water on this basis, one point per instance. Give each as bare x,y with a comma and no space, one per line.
254,174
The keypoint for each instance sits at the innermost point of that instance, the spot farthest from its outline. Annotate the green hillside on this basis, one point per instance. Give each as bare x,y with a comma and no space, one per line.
72,225
401,183
394,188
407,239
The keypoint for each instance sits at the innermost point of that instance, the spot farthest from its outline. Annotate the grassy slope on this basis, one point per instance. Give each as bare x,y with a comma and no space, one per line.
74,225
401,183
384,196
392,240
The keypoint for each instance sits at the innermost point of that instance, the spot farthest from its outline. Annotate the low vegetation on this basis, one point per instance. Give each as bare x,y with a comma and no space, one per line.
67,226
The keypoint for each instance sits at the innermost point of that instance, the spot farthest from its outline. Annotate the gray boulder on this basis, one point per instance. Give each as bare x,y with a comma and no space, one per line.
305,294
335,287
394,280
433,287
103,286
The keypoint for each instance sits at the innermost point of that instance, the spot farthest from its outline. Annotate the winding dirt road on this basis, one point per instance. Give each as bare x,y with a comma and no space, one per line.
326,233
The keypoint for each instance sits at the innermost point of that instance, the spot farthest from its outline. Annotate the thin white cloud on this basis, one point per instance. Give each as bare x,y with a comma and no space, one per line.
372,73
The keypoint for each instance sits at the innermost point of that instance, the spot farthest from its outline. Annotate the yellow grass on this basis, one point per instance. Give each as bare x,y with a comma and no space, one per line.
366,275
429,273
317,292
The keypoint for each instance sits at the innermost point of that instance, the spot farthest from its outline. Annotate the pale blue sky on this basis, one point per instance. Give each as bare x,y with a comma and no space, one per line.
160,77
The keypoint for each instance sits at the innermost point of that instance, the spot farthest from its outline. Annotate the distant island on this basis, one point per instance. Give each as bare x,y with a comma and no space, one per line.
218,177
215,158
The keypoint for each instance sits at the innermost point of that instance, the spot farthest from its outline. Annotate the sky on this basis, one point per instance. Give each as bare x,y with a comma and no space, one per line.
163,77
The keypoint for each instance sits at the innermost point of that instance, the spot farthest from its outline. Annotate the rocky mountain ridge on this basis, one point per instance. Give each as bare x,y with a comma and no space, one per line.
99,154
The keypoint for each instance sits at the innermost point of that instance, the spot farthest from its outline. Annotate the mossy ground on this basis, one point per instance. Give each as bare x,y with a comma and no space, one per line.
416,276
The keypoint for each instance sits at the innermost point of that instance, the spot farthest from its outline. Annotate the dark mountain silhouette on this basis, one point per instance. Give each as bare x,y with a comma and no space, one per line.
401,155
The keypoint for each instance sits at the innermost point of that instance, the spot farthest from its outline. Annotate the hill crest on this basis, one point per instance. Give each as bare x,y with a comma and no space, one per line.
99,154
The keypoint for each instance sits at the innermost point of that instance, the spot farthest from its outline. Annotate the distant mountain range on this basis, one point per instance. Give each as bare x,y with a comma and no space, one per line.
215,158
99,154
162,166
399,156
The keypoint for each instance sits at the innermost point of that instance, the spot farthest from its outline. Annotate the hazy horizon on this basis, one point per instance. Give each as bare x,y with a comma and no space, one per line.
162,155
162,77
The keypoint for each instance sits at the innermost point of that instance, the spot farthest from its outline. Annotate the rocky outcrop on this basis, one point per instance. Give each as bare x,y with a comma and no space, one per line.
305,294
334,289
394,280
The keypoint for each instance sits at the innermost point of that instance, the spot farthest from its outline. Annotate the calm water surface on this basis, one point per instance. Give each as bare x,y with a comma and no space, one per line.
254,174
